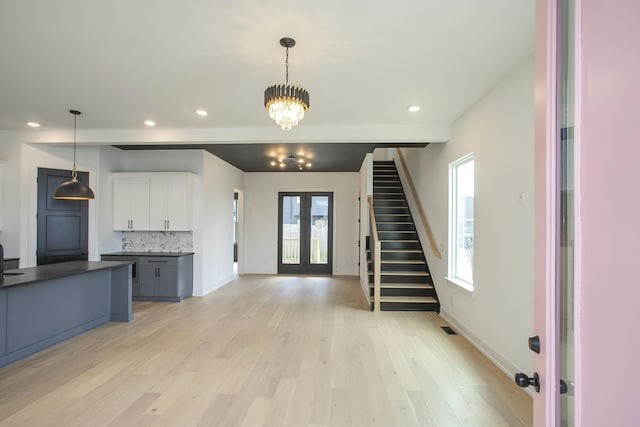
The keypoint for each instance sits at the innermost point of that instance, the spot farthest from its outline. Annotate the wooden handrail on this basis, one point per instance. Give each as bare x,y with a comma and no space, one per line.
421,214
377,258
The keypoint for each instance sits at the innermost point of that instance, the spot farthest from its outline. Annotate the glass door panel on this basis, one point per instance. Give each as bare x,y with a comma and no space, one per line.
290,226
305,233
566,220
318,249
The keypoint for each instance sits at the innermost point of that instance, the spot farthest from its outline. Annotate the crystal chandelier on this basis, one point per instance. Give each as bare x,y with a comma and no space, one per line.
286,104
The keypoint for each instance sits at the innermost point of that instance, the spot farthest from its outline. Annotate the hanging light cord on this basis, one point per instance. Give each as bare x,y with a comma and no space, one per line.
287,68
74,173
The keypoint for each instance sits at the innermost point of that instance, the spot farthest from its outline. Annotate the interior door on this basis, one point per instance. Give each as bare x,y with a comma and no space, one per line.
305,233
62,225
553,344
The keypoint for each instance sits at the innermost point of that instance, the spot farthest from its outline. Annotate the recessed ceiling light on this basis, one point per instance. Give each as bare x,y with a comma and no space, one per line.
33,124
202,113
414,108
149,123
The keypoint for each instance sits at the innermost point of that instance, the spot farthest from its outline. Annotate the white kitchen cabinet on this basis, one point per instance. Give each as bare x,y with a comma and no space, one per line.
130,203
171,202
164,200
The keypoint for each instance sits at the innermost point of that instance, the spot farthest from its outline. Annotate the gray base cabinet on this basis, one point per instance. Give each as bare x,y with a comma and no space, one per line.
158,276
12,263
165,278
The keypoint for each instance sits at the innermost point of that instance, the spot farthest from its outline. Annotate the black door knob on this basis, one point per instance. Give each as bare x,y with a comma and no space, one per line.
564,389
524,381
534,344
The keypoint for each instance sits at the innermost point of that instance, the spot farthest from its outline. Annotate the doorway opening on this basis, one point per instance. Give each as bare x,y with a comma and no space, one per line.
305,233
235,233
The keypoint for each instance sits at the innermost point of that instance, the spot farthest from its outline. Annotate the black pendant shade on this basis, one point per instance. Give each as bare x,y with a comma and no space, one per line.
74,189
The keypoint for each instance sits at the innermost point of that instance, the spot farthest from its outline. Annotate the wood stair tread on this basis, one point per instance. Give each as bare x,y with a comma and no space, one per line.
403,285
404,273
401,273
402,261
414,300
406,251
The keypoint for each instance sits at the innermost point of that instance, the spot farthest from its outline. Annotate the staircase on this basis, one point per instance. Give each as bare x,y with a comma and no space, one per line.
405,279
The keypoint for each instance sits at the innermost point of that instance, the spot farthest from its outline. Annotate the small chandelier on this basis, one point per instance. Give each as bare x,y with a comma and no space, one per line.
286,104
74,189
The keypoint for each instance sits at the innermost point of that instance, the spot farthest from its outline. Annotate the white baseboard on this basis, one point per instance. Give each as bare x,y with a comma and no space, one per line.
218,284
496,358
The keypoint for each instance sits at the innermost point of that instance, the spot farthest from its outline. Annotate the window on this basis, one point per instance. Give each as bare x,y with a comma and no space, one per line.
461,189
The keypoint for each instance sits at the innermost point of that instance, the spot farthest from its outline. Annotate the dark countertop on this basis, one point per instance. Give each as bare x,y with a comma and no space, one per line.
55,271
170,254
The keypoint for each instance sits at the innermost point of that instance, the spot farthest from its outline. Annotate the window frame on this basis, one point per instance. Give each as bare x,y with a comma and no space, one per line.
454,234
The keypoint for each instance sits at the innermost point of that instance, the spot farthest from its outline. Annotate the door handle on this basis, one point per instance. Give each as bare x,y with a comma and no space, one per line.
564,389
534,344
524,381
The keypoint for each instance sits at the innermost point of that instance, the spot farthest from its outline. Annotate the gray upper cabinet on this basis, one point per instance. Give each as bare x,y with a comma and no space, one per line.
155,201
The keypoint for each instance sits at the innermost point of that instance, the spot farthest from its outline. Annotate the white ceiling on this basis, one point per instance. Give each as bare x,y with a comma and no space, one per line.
363,62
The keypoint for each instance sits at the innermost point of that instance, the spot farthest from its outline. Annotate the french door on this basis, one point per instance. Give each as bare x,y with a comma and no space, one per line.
305,233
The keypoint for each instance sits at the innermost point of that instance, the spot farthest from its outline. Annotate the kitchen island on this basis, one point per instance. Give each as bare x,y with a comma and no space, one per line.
41,306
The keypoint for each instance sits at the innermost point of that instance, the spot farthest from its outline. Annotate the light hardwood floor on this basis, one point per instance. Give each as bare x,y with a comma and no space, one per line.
264,350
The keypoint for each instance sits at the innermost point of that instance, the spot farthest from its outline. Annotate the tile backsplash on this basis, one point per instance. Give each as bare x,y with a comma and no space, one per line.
157,241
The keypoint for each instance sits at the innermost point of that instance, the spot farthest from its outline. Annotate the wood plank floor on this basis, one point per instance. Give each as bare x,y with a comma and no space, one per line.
264,350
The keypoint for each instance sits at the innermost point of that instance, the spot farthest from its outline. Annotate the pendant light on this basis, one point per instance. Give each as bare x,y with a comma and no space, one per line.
74,189
286,103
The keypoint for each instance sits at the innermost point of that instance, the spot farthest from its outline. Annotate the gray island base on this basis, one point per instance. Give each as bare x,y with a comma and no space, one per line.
41,306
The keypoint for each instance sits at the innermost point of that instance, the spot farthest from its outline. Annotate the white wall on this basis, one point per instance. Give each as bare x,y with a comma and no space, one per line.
498,129
110,161
213,208
11,153
215,222
261,217
55,157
